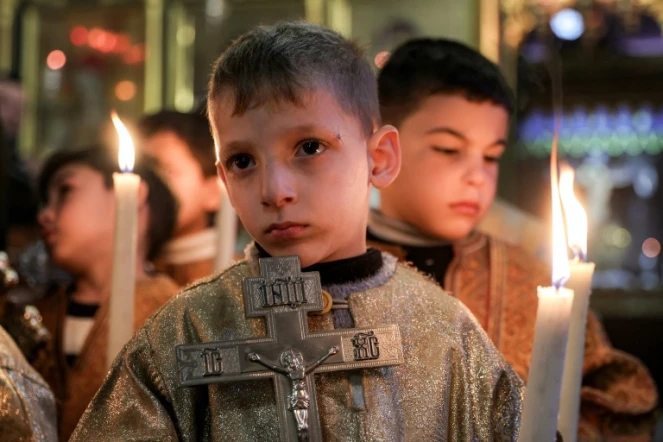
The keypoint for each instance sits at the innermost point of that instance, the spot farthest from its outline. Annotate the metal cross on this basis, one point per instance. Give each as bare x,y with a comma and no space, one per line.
289,353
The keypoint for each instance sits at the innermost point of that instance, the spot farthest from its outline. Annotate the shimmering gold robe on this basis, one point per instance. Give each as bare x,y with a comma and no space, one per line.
497,282
27,407
453,386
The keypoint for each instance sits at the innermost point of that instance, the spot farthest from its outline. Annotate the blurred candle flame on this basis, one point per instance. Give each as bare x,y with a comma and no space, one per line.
560,259
576,217
126,153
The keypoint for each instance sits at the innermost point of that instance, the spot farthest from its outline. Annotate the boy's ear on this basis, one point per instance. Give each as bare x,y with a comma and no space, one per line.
384,156
220,172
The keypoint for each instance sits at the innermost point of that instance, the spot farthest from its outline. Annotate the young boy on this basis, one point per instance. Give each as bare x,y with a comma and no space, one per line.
183,146
451,107
295,117
77,218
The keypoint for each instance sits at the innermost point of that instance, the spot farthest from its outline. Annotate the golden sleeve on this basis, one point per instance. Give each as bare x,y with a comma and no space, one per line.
132,403
487,393
27,407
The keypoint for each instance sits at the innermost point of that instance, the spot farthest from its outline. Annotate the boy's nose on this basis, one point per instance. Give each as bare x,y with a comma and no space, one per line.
46,217
278,188
475,174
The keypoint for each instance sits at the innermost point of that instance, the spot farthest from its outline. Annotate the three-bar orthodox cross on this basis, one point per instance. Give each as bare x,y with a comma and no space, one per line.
289,353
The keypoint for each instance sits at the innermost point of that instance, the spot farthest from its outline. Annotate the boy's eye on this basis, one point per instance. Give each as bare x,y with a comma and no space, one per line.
240,162
491,159
62,191
310,148
445,150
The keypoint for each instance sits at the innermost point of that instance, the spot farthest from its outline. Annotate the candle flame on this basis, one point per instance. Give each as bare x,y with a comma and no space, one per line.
576,217
560,259
126,154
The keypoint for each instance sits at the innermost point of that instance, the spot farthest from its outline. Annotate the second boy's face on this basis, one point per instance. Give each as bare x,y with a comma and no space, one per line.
448,179
196,194
298,176
77,220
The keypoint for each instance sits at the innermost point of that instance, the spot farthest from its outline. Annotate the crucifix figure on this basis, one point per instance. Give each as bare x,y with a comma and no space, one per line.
292,366
284,296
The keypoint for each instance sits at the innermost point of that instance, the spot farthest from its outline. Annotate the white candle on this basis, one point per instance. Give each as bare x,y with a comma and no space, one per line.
226,227
542,397
121,303
580,282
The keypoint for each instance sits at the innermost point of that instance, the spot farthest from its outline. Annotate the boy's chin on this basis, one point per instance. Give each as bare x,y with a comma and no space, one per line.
452,232
307,253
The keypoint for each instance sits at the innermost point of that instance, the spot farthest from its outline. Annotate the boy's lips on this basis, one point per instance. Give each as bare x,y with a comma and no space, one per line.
285,230
469,208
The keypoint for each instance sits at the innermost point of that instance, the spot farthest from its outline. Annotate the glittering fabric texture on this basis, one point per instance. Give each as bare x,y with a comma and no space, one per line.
453,386
75,385
497,282
27,407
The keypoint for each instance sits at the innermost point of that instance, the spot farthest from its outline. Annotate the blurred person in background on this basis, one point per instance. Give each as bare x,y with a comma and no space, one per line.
77,220
184,148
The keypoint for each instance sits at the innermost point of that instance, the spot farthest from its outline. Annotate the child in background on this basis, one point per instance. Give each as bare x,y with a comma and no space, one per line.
77,219
451,106
184,148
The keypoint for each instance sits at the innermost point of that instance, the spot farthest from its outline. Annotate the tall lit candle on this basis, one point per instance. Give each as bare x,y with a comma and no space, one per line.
580,282
121,304
542,397
226,227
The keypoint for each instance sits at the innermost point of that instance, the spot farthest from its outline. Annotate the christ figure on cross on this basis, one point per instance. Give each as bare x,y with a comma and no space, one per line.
292,366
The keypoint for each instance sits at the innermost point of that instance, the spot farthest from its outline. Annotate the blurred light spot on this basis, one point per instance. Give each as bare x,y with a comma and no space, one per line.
646,263
651,248
567,24
215,8
125,90
186,35
645,181
56,60
184,100
122,44
78,35
621,238
96,38
616,236
109,42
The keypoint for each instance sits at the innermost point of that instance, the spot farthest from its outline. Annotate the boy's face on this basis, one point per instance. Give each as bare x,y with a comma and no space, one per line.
78,220
197,195
299,177
450,165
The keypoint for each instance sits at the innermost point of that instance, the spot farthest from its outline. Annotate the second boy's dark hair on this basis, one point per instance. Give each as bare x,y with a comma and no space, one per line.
192,128
160,199
423,67
284,61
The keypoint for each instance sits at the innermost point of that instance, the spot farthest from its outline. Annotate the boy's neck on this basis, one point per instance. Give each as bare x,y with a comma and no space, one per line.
341,271
399,232
191,230
94,286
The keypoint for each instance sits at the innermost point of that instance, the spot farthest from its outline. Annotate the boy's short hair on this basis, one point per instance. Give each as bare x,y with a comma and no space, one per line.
284,61
425,66
161,201
191,128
